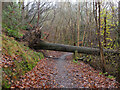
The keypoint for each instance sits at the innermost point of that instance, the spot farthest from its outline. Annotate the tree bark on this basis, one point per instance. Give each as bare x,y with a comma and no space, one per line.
23,12
105,41
119,25
100,44
118,76
38,13
78,24
68,48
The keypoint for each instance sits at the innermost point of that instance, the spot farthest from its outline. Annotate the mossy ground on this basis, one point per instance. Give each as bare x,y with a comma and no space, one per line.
17,59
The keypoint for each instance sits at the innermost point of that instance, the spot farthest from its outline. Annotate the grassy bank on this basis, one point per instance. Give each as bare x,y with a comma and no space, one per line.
17,59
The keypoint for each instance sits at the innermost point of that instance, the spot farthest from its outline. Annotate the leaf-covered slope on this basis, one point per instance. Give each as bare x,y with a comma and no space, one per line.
17,59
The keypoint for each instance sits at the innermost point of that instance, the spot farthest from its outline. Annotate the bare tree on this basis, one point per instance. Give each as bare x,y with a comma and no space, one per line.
78,24
100,45
105,41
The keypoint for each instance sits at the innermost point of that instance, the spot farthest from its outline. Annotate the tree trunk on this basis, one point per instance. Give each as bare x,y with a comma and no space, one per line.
100,44
68,48
78,24
105,42
38,14
23,12
118,77
83,39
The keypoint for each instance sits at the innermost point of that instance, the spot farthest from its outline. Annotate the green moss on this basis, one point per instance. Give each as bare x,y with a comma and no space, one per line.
23,57
6,85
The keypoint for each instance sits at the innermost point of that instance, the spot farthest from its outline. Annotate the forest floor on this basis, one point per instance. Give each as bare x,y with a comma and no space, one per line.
59,71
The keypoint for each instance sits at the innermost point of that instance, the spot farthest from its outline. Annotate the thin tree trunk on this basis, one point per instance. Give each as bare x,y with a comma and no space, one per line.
38,13
93,8
74,38
55,35
38,27
100,45
96,16
83,38
118,77
105,42
119,25
19,4
78,25
23,12
74,30
85,26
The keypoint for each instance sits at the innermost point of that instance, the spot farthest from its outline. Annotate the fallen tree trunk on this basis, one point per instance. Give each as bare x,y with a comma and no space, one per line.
68,48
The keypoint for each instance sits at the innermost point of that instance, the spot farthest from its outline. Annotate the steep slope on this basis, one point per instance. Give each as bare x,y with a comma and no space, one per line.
17,59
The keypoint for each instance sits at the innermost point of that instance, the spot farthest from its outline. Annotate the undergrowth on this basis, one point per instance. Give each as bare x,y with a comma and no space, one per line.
18,59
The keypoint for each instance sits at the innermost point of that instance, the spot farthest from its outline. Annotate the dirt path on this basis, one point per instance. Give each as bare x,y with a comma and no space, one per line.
64,73
62,77
73,75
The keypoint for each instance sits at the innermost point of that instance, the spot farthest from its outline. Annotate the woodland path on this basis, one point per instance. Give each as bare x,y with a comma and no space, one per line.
60,71
62,77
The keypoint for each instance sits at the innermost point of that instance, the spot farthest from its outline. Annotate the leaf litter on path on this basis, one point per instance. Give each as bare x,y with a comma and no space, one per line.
50,73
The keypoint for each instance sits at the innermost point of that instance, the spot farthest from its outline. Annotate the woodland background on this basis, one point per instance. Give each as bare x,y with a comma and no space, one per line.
85,24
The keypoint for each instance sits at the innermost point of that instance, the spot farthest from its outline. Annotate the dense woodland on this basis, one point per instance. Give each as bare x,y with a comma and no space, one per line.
90,30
